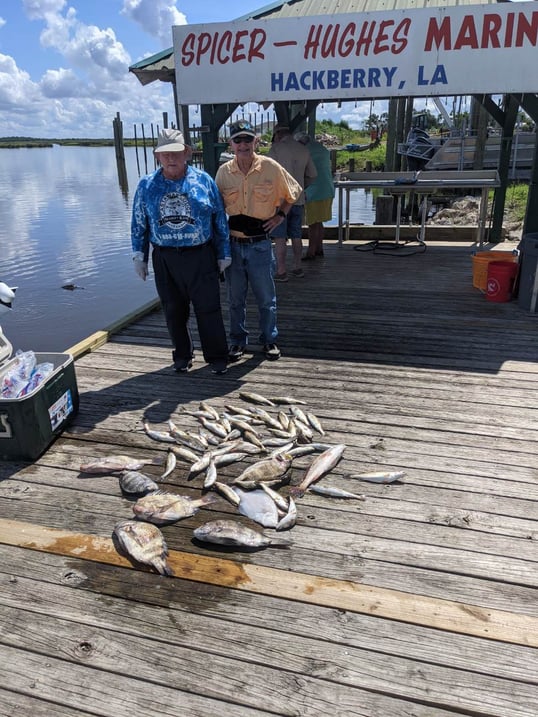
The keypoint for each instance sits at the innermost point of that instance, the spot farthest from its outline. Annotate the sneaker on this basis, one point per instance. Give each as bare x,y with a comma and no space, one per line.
182,366
299,273
281,277
271,351
235,353
219,368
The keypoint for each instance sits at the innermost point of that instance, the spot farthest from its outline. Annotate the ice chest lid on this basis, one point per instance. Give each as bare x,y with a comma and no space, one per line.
6,348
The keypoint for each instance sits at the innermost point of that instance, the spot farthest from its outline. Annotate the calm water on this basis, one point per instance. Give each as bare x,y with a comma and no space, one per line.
65,219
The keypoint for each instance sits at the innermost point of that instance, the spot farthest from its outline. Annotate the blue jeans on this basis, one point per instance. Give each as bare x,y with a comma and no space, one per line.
252,264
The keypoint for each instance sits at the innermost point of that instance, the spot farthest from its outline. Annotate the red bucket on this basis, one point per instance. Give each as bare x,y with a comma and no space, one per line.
501,277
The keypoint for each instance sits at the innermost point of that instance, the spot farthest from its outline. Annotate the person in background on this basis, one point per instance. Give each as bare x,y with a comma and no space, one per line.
258,193
295,158
178,211
319,195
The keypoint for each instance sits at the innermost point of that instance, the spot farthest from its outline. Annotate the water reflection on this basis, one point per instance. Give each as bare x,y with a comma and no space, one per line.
65,219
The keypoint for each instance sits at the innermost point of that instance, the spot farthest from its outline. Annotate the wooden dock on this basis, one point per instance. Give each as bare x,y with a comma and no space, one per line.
419,601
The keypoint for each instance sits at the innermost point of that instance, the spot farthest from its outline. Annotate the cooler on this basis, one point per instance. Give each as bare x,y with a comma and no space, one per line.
29,424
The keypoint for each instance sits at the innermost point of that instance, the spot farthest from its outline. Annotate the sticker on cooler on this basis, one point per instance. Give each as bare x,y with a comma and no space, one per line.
60,409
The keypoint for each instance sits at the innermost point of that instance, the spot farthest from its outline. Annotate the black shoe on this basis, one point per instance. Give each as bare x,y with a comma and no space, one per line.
219,368
183,365
235,353
271,351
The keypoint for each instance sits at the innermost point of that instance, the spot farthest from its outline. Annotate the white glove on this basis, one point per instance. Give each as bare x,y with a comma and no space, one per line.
224,264
141,268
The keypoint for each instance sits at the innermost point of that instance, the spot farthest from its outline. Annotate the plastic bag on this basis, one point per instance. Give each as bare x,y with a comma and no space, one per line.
39,374
18,374
24,376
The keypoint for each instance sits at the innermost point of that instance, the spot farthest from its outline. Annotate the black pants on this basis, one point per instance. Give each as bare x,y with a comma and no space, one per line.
182,277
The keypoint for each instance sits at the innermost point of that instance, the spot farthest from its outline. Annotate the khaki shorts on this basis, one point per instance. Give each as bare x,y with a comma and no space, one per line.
320,211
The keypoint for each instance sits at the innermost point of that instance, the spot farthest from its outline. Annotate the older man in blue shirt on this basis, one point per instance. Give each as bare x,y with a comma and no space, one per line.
179,212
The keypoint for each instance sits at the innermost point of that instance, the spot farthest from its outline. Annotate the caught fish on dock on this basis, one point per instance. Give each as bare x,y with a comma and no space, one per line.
280,501
252,437
214,427
304,450
333,492
299,414
232,532
162,436
321,465
266,418
145,543
118,463
136,483
288,520
231,408
315,423
186,454
210,474
204,406
255,398
161,507
196,443
286,401
171,462
378,477
227,492
258,506
267,469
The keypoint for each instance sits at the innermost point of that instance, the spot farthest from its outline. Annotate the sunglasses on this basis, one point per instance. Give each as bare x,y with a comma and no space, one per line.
246,139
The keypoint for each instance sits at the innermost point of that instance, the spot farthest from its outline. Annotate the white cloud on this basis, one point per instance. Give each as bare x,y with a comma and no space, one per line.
16,88
155,17
60,83
92,83
39,9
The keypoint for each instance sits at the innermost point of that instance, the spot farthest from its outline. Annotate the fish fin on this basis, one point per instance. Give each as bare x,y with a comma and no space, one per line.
296,491
165,569
157,461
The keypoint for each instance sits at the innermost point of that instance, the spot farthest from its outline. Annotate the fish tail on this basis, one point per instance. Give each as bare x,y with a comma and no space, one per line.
281,542
165,569
296,491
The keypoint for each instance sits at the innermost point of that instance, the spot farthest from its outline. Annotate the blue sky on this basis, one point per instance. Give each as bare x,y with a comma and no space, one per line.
64,65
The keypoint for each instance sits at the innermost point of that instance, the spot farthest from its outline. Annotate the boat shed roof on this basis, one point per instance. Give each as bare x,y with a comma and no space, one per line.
161,66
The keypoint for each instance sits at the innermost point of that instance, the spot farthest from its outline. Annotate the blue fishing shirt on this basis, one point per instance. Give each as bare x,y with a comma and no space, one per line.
180,213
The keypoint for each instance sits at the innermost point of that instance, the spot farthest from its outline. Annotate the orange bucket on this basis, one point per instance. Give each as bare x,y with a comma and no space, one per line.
480,265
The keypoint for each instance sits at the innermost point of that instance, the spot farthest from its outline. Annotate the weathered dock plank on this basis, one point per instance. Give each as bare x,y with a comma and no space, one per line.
420,600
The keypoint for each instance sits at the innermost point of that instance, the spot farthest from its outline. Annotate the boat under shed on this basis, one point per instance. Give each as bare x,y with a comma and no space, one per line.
302,114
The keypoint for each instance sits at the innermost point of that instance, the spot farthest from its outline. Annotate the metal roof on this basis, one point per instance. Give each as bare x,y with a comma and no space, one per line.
161,66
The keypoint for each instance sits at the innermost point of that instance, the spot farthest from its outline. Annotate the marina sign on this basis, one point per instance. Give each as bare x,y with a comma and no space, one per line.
467,49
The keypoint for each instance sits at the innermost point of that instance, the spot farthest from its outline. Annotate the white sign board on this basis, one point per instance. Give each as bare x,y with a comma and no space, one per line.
468,49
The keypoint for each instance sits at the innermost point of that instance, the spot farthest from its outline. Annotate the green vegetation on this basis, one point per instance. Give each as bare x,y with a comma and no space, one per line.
516,202
29,142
